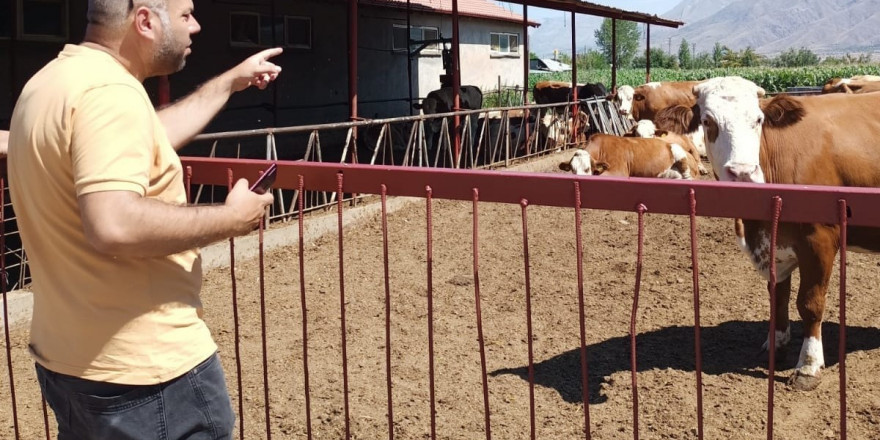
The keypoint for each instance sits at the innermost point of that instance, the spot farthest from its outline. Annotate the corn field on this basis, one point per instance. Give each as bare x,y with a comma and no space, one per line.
772,79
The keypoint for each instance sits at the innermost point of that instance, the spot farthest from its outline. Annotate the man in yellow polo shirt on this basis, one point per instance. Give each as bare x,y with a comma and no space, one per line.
117,334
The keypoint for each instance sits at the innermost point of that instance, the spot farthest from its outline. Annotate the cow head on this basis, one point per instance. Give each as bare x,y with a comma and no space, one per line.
643,129
582,164
624,100
732,119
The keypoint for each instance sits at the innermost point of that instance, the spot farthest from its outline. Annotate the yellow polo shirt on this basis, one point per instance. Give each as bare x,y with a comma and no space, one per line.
84,124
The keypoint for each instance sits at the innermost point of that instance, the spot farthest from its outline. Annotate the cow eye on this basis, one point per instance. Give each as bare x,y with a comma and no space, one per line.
759,121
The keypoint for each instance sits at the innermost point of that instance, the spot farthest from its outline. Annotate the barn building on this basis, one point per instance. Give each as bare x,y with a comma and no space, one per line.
314,85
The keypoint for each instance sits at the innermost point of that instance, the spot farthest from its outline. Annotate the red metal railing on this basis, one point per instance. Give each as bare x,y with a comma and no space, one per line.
832,205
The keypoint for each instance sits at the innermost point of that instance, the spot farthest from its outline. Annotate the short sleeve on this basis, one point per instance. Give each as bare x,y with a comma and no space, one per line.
112,144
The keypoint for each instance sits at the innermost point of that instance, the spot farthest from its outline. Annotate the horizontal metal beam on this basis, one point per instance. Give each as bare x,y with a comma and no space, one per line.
587,8
801,203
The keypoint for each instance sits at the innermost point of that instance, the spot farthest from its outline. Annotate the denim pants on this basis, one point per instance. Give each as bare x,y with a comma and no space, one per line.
194,406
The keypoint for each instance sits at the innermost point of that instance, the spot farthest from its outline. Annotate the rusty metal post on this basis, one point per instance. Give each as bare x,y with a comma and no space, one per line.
456,82
614,54
353,70
648,53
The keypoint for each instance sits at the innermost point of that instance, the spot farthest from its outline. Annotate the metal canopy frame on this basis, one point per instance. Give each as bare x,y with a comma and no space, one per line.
587,8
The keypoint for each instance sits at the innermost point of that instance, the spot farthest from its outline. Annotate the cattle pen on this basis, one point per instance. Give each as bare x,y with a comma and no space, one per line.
350,345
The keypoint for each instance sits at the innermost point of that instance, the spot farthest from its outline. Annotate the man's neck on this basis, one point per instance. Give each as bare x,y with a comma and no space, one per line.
115,47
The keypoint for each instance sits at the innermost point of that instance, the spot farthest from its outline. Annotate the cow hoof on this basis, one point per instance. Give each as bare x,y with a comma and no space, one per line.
803,382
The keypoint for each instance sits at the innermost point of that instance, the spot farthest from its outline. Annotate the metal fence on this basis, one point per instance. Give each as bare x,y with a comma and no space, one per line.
571,194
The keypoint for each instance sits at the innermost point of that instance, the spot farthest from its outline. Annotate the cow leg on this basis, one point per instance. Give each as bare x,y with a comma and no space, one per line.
816,263
783,325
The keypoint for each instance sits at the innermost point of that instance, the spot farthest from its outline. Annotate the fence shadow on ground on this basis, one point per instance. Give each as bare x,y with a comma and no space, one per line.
732,347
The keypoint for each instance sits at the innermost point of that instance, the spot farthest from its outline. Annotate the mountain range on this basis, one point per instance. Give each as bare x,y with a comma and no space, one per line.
769,27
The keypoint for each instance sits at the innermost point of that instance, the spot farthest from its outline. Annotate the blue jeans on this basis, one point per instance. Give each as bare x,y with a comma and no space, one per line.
194,406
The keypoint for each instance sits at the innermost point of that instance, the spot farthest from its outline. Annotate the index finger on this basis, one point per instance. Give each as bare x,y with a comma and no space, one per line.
269,53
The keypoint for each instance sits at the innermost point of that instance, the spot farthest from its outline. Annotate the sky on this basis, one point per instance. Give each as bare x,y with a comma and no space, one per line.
655,7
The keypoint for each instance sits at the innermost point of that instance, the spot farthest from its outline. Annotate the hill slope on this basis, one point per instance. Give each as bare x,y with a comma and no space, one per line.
768,26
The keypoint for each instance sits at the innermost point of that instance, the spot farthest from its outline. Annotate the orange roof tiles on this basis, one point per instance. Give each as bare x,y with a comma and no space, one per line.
466,8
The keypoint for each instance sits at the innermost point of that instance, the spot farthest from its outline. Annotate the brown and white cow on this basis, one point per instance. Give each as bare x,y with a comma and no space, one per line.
646,128
644,101
548,92
651,100
618,156
817,140
854,84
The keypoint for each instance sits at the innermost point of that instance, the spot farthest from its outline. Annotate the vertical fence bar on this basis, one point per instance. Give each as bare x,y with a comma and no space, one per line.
771,285
525,231
385,258
302,300
841,344
429,199
698,352
6,309
632,322
339,178
476,248
579,249
268,406
236,323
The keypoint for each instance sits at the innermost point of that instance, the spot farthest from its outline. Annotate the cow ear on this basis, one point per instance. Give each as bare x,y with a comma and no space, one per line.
660,133
600,167
565,166
638,97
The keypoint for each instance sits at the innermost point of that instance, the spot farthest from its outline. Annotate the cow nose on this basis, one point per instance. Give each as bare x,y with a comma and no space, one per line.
742,172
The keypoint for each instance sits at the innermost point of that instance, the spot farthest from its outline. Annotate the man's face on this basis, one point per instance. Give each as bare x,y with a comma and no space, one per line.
178,24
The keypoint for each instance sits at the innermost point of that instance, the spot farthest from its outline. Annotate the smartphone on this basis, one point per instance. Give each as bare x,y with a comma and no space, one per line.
265,181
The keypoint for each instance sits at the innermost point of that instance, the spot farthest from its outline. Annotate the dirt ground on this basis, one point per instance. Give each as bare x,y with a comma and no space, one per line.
733,312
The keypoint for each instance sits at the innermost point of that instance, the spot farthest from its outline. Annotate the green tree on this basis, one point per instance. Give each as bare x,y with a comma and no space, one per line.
659,60
717,54
591,59
796,58
628,36
703,61
684,55
750,58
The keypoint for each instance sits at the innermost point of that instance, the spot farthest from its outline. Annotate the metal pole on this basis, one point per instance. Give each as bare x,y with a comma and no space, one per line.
648,53
526,59
409,55
353,70
614,54
456,80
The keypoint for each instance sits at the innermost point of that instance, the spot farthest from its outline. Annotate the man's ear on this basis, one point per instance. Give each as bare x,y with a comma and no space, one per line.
144,22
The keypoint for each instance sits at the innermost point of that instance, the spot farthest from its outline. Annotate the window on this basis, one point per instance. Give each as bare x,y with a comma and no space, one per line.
298,32
504,43
250,29
417,34
244,29
42,20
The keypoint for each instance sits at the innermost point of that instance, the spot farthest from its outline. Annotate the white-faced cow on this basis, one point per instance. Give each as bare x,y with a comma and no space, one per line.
441,101
648,101
815,140
609,155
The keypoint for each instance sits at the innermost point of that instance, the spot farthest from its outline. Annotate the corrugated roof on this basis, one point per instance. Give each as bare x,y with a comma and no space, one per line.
466,8
583,7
